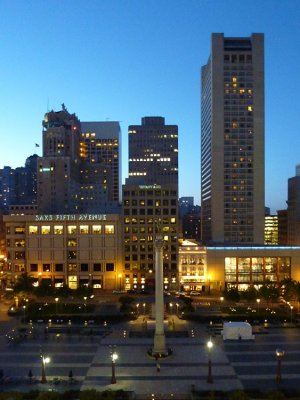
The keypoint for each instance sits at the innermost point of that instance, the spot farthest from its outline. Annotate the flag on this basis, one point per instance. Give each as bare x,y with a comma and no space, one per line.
37,145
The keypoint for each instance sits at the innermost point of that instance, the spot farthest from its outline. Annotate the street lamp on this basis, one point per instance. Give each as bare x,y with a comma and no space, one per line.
45,360
209,347
114,357
291,307
56,301
137,309
258,302
85,298
177,306
171,308
279,355
120,277
144,305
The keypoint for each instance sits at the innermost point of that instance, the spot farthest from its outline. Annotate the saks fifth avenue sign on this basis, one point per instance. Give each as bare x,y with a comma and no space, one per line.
71,217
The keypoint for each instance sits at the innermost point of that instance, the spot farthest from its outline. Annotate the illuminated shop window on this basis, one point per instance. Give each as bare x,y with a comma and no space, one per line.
72,267
84,229
46,268
96,229
45,229
20,243
72,242
109,229
72,229
19,230
58,230
33,229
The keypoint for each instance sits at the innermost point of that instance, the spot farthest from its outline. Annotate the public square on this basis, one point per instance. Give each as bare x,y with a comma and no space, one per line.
235,365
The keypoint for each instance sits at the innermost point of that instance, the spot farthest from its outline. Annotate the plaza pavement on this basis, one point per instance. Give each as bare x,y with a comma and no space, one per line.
234,365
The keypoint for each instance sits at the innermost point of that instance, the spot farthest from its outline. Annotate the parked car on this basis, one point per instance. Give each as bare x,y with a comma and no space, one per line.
195,293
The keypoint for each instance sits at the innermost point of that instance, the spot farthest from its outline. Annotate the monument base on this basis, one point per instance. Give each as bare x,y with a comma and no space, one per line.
159,346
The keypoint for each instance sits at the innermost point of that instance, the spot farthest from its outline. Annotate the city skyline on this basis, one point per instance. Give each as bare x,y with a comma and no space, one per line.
124,60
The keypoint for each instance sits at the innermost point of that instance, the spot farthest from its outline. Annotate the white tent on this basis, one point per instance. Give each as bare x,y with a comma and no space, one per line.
237,331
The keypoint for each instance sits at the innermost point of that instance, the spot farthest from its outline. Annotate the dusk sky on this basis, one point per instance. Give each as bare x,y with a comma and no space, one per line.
120,60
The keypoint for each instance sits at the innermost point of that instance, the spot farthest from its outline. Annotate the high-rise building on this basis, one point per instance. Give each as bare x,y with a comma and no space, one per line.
153,152
150,198
7,188
282,227
271,230
101,145
58,169
100,152
293,210
232,140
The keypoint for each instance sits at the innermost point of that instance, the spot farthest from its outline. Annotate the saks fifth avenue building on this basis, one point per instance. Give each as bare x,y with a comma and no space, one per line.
76,250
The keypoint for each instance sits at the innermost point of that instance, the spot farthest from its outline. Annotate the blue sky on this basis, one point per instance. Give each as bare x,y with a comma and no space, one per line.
122,60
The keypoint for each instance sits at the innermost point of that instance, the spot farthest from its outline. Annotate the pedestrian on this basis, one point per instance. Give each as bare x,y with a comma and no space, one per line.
157,366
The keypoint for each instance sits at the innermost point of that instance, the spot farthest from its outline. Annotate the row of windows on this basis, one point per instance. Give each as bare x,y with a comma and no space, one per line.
73,267
148,193
150,202
149,220
59,229
150,211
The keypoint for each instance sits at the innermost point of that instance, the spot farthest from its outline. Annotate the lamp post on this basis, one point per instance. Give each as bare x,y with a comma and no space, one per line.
45,360
120,280
85,299
171,308
144,305
56,302
258,302
209,347
291,307
177,306
137,309
279,355
24,308
114,357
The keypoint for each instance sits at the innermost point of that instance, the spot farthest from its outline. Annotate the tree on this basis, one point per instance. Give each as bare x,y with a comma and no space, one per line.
269,292
232,294
24,283
250,294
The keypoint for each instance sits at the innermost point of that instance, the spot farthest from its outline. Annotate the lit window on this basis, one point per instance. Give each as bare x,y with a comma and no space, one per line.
109,229
33,229
58,230
72,229
96,229
45,229
84,229
19,229
250,108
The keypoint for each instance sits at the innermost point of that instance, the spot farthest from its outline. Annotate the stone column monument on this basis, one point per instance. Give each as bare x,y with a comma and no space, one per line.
159,346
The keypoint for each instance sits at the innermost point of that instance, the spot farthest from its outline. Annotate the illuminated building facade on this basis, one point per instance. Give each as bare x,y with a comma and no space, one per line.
271,229
143,207
72,249
232,141
192,267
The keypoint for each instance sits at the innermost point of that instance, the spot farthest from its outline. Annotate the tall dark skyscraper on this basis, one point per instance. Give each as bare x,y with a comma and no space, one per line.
232,141
58,169
153,151
293,210
100,152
